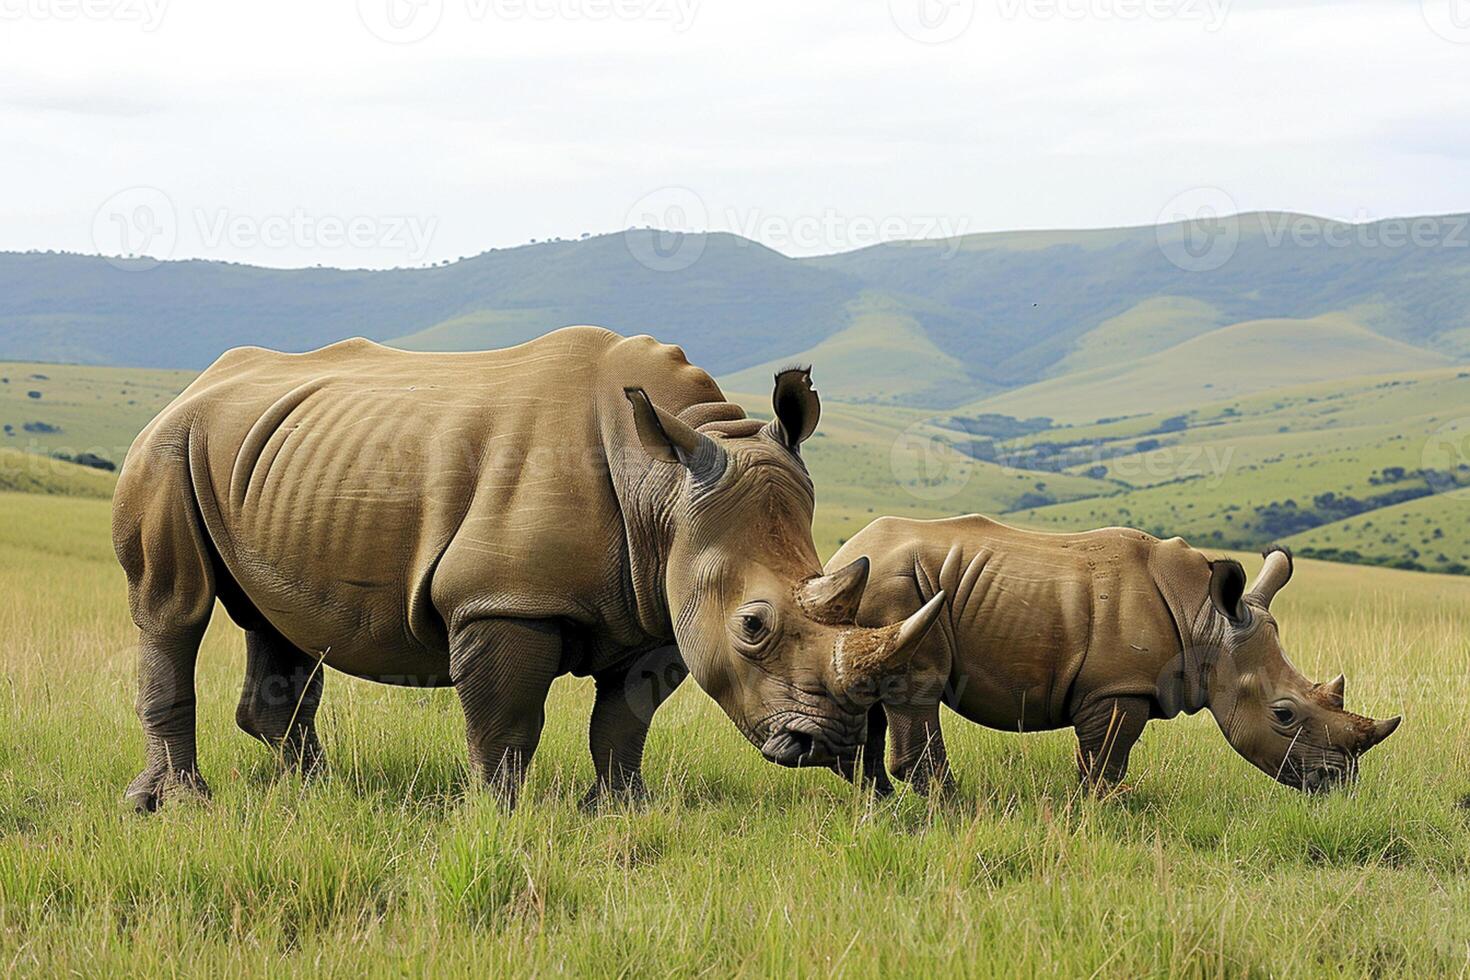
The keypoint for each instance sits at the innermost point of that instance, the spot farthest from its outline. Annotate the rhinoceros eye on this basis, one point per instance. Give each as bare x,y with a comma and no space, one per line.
751,625
1284,714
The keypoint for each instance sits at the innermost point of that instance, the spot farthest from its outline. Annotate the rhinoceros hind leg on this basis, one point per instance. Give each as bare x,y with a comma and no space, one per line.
162,545
627,697
283,687
502,670
919,757
166,708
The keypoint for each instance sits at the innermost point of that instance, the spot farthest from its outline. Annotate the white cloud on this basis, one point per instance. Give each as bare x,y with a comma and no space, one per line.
518,119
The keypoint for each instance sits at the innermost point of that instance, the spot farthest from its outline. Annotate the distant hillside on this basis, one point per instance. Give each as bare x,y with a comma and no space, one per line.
952,321
1227,362
1031,300
1372,468
183,314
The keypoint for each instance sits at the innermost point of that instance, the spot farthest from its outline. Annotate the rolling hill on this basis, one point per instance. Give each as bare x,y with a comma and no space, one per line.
1228,362
1296,390
957,320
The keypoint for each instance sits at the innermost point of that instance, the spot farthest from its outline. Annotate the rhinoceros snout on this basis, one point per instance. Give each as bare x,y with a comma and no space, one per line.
800,740
787,748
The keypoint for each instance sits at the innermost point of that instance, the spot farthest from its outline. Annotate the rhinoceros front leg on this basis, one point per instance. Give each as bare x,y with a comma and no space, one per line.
918,755
627,698
874,771
283,687
1107,730
502,670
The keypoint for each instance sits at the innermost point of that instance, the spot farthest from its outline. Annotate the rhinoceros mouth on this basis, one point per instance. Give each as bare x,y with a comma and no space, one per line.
1324,777
795,739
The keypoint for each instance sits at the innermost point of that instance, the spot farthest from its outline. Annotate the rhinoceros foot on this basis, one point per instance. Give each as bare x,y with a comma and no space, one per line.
146,793
632,792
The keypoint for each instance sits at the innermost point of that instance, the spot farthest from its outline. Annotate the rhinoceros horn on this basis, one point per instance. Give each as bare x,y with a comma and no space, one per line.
1334,690
1379,731
1275,573
865,656
834,598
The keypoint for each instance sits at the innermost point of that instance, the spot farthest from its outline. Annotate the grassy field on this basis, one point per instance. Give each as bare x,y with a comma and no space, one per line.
394,864
1255,469
1213,472
46,408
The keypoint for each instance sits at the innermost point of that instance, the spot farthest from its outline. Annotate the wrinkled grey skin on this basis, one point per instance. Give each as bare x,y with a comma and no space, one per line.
489,521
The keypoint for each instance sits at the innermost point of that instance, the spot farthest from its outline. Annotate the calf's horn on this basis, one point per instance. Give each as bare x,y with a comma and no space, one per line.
865,656
1380,731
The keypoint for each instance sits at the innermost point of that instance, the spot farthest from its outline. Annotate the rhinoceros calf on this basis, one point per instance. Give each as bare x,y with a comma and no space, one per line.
491,520
1101,631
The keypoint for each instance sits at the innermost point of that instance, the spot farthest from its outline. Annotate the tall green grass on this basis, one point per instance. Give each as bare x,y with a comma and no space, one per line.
396,864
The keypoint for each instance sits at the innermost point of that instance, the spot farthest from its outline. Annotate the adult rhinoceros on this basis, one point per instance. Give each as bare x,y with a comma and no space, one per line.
491,520
1100,631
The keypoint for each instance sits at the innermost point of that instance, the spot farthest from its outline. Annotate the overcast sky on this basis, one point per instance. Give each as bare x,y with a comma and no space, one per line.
401,132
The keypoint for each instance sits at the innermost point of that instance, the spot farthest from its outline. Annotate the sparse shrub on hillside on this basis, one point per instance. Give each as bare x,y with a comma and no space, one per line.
1031,500
999,426
41,427
88,459
33,394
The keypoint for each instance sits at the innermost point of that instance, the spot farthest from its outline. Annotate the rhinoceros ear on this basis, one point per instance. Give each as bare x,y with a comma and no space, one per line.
667,438
1275,573
797,407
1227,590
